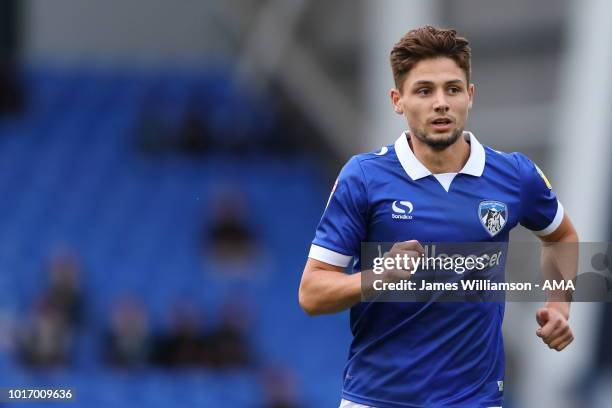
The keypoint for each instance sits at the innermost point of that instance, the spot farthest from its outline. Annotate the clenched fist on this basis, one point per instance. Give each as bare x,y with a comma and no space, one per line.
554,328
410,250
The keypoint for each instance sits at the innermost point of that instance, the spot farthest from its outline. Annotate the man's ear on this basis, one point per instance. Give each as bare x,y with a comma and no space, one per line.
471,93
395,101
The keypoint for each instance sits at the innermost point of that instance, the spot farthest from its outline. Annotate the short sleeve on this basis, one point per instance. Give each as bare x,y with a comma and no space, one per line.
343,225
541,211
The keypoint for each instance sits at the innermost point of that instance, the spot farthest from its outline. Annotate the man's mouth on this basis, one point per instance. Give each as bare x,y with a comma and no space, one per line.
441,124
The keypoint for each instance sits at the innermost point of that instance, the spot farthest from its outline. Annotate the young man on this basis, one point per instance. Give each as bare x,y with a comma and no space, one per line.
436,183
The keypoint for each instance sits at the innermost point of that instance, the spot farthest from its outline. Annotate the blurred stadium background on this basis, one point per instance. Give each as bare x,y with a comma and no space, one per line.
163,166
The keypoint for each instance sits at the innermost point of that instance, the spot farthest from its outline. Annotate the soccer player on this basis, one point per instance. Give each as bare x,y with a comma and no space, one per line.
436,183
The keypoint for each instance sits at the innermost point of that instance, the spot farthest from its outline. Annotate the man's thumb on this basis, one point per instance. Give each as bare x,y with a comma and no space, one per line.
542,316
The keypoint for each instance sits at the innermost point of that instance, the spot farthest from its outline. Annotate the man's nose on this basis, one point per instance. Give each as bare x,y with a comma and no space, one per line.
441,104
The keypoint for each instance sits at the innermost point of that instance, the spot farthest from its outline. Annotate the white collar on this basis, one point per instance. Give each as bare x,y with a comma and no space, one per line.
416,170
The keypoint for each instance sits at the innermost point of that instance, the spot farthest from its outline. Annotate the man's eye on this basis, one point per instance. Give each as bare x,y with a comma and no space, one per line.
454,90
423,91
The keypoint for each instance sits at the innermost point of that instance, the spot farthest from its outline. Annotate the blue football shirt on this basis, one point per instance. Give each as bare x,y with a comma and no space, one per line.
429,354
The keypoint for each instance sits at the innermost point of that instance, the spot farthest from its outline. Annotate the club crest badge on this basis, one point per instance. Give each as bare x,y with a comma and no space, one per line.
493,216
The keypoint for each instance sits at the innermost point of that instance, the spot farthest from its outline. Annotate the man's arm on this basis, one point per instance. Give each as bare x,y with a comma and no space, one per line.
559,258
326,288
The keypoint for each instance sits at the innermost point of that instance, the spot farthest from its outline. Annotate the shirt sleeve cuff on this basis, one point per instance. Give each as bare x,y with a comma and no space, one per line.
329,256
554,224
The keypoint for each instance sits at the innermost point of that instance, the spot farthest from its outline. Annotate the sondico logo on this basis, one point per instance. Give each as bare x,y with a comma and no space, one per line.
402,210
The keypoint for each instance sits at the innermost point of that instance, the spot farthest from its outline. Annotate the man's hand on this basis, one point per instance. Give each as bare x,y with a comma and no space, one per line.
410,250
554,329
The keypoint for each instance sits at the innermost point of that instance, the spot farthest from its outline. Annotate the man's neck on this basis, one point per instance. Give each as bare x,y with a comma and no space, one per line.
450,160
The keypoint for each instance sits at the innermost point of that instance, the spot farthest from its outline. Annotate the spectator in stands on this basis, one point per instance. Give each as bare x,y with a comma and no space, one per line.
193,135
279,388
64,293
230,245
128,342
229,341
11,95
186,344
46,339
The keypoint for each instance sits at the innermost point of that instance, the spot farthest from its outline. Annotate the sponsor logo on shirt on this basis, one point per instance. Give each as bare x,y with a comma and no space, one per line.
402,210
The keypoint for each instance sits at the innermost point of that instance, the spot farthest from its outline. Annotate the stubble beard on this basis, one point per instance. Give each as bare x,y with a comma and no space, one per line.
441,143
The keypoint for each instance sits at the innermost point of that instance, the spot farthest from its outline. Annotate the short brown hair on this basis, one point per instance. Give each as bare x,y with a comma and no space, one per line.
428,42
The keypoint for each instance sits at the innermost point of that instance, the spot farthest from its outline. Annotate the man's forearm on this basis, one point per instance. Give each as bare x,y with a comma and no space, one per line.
329,291
559,262
562,307
325,288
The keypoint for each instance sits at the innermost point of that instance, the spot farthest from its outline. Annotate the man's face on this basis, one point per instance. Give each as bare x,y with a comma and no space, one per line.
435,100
